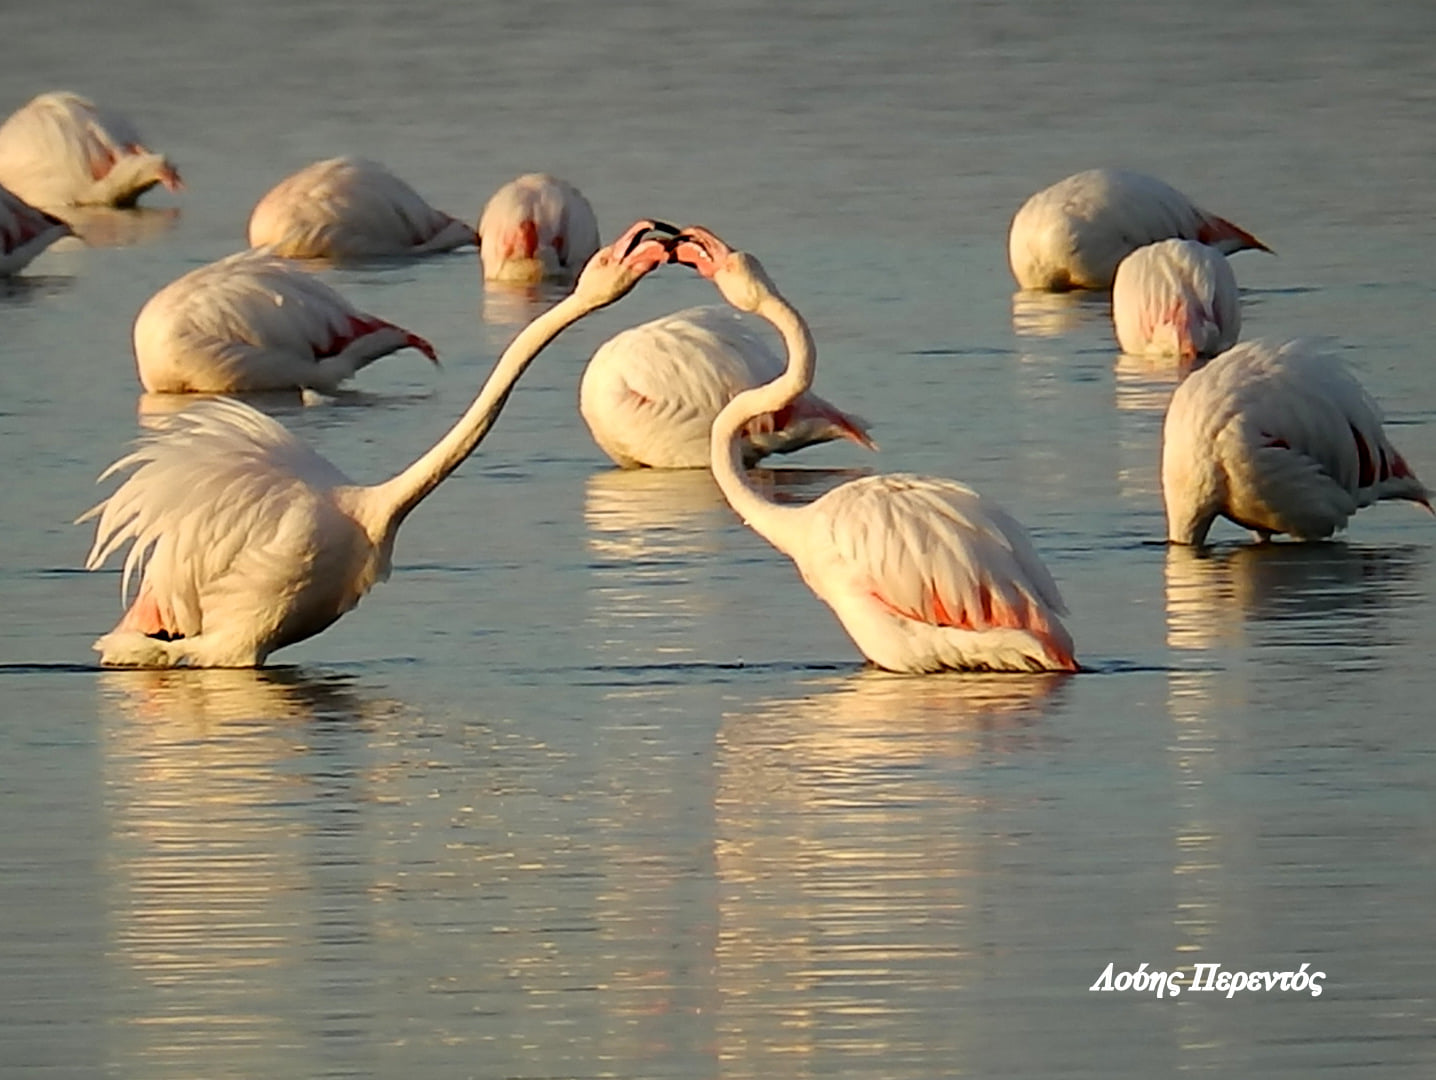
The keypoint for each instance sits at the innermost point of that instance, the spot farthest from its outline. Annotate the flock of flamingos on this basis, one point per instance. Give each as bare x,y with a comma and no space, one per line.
245,540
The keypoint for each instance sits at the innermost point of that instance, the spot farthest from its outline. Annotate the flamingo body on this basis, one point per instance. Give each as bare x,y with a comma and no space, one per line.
649,395
923,573
351,208
1073,234
253,321
25,231
1279,438
1176,298
245,540
61,149
536,228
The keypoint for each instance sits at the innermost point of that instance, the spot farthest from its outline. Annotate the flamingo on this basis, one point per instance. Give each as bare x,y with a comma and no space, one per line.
25,232
1279,438
535,228
252,321
351,208
924,573
1073,234
1176,298
246,540
649,394
61,149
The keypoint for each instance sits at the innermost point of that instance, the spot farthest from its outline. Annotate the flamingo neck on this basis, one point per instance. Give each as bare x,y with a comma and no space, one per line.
395,498
726,448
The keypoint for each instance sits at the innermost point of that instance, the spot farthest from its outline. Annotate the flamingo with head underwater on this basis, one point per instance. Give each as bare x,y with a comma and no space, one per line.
246,540
61,149
924,573
536,228
1176,298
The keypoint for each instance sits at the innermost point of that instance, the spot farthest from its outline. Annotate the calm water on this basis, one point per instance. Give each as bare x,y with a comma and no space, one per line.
593,786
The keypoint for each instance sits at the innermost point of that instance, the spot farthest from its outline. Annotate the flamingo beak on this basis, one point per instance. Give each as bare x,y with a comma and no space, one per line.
638,235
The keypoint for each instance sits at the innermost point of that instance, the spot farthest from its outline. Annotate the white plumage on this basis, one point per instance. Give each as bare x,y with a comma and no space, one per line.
61,149
1073,234
245,540
1176,298
351,208
1279,438
24,232
253,321
923,573
650,393
536,228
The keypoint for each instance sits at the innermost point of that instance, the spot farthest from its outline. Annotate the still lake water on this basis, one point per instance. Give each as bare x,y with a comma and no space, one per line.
594,786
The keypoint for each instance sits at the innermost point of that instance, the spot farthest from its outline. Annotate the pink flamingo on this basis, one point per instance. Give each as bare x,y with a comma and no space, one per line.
1073,234
650,394
1176,298
253,321
24,232
245,540
61,149
351,208
923,573
1279,438
536,228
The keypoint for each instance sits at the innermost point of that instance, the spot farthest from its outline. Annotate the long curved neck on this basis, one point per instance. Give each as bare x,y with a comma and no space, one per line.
395,498
726,448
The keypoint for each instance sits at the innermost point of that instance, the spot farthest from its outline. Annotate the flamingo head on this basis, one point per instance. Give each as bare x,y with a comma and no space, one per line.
740,277
617,268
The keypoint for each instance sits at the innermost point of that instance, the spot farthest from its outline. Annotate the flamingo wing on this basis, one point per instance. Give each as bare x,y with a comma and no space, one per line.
215,490
936,552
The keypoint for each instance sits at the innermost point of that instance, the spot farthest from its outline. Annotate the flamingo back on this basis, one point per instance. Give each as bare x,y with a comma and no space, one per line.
536,227
1176,298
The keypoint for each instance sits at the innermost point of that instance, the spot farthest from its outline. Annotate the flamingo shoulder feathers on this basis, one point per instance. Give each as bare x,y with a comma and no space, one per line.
61,149
536,227
351,207
1279,438
228,517
253,321
650,393
928,575
25,231
1176,298
1073,234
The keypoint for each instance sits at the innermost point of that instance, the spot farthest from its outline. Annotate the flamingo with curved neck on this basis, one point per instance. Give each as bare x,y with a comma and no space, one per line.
246,540
923,573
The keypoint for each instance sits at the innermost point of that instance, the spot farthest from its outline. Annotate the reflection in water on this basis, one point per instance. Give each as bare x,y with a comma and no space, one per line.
106,226
1143,387
1144,383
1345,594
509,305
851,854
233,847
1050,315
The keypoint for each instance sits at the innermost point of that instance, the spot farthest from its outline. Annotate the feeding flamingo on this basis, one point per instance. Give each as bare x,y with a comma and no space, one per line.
351,208
536,228
1073,234
923,573
1176,298
61,149
24,232
253,321
649,394
1279,438
246,540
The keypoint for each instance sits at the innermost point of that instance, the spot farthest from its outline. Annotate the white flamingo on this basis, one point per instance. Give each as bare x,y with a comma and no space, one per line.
1279,438
1073,234
253,321
650,394
351,208
923,573
24,232
1176,298
61,149
536,228
246,540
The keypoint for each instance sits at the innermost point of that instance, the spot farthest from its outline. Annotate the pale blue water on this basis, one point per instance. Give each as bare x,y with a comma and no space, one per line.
593,786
